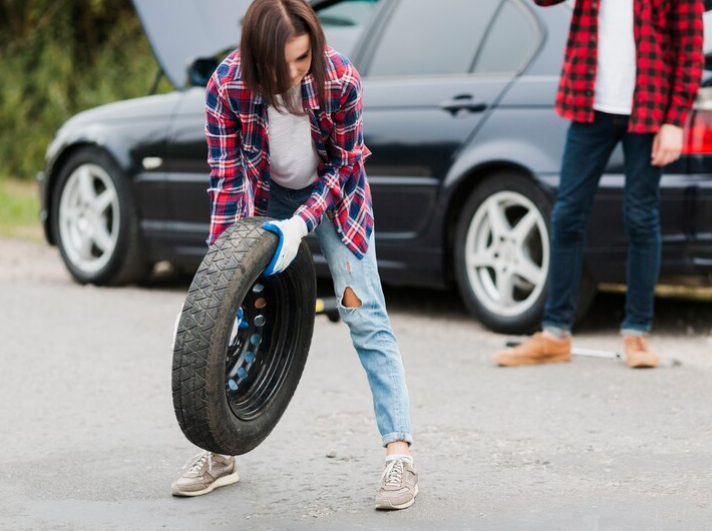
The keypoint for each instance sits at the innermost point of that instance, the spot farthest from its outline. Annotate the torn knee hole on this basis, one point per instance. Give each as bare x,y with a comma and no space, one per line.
350,300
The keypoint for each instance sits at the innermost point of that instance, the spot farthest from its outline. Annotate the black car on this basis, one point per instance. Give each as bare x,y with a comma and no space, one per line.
458,111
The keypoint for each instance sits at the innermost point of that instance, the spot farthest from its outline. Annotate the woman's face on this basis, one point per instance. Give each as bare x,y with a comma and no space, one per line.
298,54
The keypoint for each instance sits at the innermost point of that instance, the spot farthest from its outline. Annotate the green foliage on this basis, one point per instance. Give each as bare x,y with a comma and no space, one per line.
59,57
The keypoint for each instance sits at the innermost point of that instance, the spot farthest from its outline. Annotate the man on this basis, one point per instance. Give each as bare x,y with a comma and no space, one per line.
630,75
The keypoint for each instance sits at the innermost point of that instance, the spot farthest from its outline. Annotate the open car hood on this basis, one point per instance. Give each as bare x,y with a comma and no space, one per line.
182,30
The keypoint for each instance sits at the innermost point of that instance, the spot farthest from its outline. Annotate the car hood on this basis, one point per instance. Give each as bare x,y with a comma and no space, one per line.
182,30
137,110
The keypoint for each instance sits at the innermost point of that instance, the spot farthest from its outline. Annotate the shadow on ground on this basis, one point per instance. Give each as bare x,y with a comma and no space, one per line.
672,315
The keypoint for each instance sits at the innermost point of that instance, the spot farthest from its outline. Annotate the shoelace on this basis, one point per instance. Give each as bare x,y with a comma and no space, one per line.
393,473
197,462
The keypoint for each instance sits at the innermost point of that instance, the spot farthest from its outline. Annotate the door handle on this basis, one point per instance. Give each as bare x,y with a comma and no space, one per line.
463,102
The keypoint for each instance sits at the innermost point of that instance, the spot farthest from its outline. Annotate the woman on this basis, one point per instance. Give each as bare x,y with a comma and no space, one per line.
285,139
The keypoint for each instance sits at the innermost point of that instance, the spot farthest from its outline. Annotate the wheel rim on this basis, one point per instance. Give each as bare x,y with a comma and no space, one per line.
89,218
507,253
259,354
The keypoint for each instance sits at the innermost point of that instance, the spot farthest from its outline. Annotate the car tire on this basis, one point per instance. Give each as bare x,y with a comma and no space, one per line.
242,340
501,255
95,224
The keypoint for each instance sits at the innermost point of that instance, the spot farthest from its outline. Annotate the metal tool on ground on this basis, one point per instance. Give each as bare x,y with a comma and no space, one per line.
585,352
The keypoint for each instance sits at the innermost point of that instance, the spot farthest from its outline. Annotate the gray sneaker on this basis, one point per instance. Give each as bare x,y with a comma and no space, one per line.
205,473
399,485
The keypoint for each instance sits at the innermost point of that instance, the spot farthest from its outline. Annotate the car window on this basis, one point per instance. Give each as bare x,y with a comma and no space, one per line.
426,37
510,41
343,23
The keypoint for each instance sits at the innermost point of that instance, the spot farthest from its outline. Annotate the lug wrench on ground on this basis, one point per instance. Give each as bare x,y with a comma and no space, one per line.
586,352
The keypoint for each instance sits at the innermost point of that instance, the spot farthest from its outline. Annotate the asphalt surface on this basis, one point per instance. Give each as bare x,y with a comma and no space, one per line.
89,441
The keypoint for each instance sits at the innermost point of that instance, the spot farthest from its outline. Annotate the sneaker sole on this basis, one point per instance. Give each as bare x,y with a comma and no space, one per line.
405,505
221,482
643,365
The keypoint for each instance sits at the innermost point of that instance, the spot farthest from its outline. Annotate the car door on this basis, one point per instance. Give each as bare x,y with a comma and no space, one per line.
423,98
187,175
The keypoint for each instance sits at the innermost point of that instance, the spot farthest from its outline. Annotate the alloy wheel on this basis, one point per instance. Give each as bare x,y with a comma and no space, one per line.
89,218
507,253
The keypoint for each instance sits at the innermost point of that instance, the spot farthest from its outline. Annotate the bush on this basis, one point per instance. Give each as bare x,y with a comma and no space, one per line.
60,57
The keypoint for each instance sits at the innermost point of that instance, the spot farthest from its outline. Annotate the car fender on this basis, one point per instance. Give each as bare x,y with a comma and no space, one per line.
532,159
477,163
122,141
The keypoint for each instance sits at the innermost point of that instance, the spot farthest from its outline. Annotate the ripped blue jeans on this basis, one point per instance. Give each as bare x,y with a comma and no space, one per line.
369,325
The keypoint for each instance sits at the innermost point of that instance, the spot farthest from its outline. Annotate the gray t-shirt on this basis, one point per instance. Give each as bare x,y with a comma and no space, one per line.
293,157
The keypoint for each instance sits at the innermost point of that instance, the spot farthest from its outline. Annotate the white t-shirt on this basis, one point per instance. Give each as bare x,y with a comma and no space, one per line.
293,156
616,68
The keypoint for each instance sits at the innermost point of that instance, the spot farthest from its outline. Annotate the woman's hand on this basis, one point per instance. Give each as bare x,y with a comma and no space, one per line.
290,232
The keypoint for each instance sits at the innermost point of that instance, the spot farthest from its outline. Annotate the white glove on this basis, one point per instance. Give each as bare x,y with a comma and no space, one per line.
290,232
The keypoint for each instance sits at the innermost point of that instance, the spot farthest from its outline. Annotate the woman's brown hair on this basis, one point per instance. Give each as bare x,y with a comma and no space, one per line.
266,28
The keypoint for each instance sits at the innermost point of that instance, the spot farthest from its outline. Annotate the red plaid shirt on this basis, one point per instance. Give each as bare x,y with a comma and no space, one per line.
668,37
238,152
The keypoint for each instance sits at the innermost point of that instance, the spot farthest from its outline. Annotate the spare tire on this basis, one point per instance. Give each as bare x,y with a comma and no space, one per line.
242,340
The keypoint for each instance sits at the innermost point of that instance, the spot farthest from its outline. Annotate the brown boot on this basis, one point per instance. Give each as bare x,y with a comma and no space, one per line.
638,353
537,349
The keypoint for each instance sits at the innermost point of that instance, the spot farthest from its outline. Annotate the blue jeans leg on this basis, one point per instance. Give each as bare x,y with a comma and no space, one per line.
641,214
371,332
369,325
588,148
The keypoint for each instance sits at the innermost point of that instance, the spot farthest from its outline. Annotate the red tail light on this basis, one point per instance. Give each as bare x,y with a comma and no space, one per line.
698,130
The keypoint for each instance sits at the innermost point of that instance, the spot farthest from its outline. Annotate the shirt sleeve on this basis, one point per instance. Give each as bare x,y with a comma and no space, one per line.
345,150
227,192
687,36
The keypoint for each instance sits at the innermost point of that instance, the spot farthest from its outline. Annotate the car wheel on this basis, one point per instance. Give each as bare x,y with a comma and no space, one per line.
502,255
242,341
95,224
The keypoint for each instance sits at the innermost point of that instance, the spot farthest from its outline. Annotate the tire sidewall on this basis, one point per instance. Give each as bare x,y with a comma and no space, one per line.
252,433
205,416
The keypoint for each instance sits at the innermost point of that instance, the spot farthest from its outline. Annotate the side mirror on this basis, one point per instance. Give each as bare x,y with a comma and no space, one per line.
200,70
